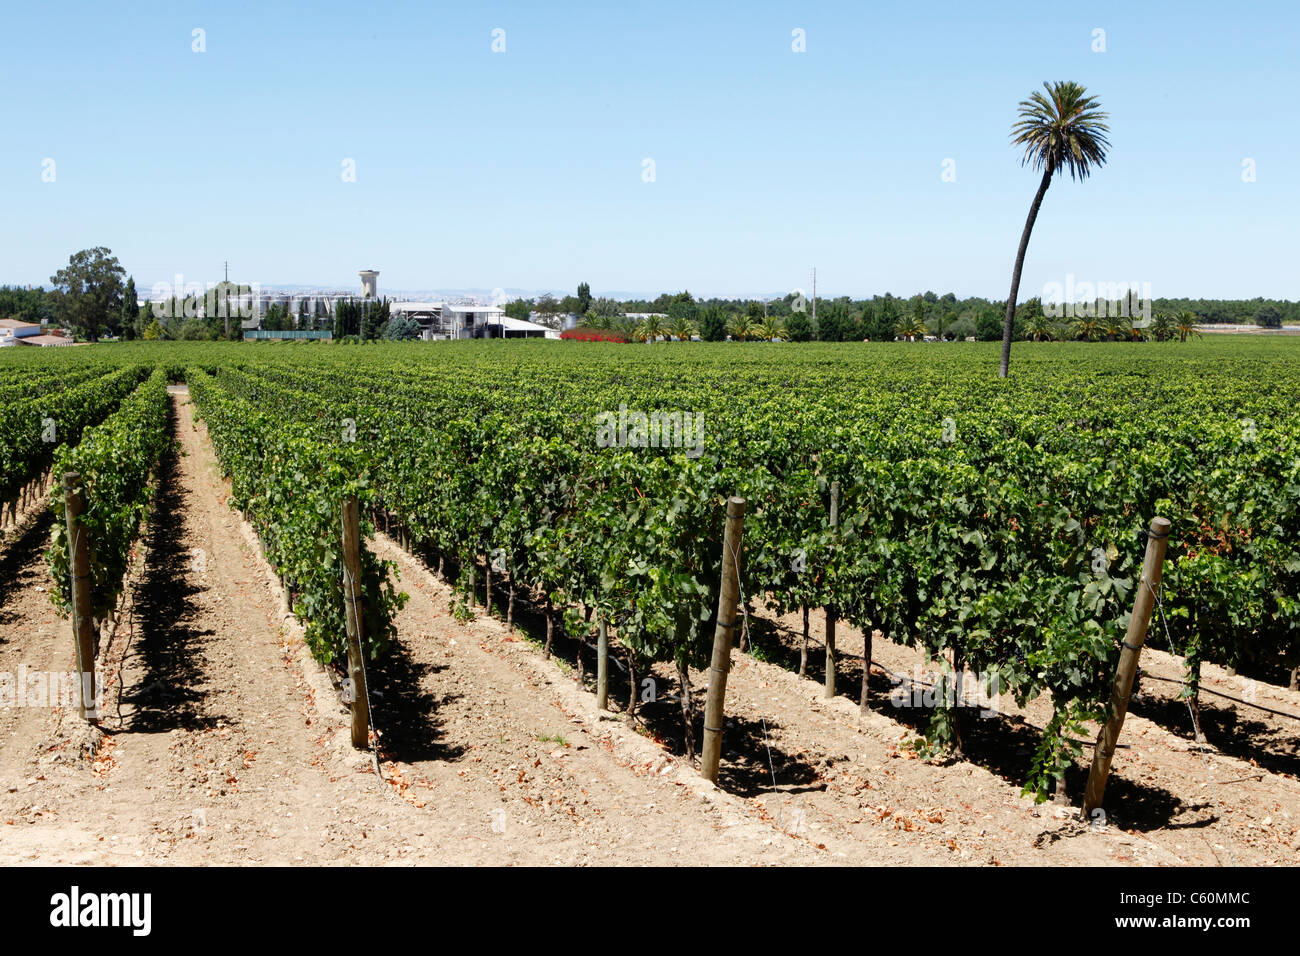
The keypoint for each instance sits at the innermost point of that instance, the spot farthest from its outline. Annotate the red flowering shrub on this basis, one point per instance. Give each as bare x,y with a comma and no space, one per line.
593,335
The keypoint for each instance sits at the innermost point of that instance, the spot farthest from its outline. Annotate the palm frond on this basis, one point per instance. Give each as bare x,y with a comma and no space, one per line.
1062,130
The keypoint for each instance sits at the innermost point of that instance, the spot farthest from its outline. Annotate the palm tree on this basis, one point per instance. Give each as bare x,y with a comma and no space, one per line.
1042,328
770,329
911,329
1162,326
1085,328
682,329
1114,327
740,327
649,329
1062,130
1186,326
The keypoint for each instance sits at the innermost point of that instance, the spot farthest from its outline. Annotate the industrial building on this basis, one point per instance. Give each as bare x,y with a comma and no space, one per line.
441,321
438,321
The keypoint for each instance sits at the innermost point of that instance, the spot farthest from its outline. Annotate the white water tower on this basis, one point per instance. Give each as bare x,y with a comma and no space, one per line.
368,283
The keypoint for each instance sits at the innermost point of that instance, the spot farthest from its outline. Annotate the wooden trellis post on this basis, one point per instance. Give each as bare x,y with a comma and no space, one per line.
83,627
354,615
864,701
830,610
1152,568
602,664
724,632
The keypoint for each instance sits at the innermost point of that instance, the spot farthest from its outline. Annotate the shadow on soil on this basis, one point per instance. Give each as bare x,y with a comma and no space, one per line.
1000,743
22,567
748,760
1271,746
171,692
405,713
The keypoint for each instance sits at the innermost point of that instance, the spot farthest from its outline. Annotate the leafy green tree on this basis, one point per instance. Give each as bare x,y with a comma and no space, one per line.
884,320
1269,317
274,318
830,326
949,317
605,308
195,330
402,328
374,317
713,325
961,328
862,327
547,309
519,309
988,327
584,298
89,292
1062,130
25,305
129,309
347,318
784,306
799,328
221,306
682,305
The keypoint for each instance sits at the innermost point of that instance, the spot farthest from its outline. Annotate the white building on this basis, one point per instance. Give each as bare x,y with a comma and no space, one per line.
439,321
508,328
471,321
12,331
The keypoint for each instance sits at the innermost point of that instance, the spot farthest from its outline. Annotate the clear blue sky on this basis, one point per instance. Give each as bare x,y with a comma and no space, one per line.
523,169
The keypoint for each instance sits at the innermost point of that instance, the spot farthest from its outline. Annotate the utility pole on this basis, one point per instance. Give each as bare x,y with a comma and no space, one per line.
814,309
224,299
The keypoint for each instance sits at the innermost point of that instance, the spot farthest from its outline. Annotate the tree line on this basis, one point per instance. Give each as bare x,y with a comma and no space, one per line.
888,317
93,297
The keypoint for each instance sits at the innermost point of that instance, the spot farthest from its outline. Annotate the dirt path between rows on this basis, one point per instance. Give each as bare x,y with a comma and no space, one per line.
1235,801
224,743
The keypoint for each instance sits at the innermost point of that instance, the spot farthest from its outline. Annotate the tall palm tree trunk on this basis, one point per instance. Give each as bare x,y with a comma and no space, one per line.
1020,264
